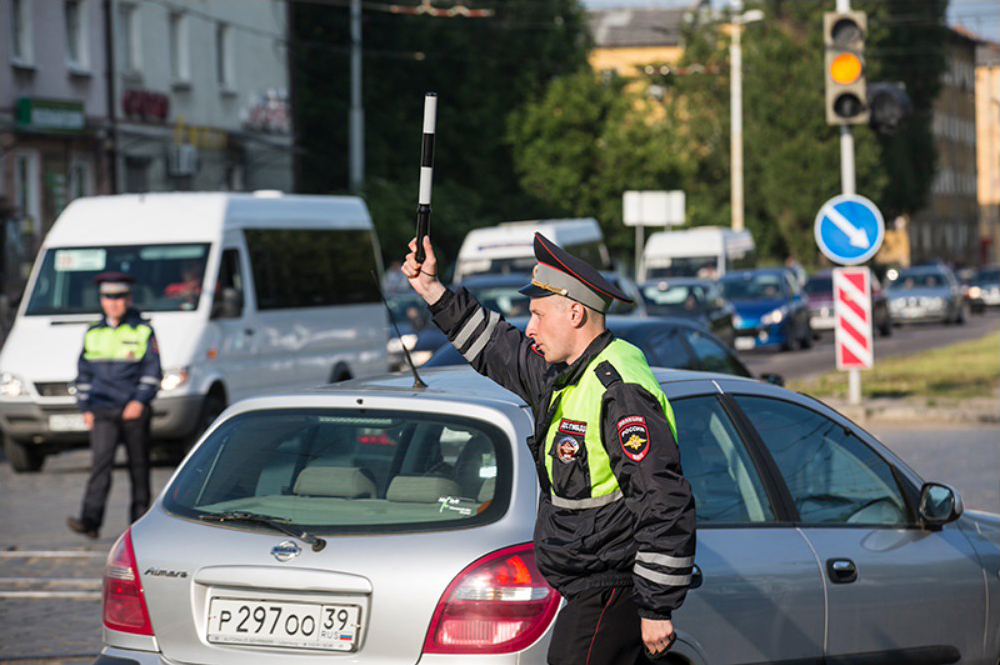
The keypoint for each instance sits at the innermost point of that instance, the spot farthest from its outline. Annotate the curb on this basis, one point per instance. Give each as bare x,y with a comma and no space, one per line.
908,412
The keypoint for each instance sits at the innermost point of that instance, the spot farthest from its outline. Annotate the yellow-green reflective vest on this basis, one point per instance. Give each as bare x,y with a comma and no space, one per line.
578,416
126,342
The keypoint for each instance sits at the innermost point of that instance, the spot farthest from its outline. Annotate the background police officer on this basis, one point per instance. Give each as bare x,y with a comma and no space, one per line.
119,374
615,527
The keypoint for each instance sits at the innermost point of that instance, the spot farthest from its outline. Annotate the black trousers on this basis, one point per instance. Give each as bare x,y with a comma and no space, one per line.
109,429
598,627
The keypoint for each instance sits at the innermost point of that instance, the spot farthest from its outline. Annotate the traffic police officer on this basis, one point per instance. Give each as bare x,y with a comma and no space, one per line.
615,530
118,376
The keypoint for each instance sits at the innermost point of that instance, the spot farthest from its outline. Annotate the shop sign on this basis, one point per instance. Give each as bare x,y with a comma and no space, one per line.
50,114
199,136
146,105
268,112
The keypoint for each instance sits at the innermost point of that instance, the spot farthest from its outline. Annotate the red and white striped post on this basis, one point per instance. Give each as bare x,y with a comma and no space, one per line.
853,338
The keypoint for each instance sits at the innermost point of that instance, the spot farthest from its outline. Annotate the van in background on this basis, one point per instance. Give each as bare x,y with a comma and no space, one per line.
708,252
509,246
247,293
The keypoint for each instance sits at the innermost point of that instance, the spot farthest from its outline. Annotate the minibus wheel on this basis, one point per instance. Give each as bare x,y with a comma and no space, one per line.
23,457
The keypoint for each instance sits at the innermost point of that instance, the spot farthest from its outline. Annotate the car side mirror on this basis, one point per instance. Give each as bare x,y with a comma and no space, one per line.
939,504
229,304
771,377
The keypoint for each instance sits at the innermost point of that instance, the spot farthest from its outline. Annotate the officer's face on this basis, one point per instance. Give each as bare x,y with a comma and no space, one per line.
551,326
114,306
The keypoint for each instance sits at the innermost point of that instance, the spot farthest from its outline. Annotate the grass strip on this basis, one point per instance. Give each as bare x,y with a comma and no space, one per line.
957,371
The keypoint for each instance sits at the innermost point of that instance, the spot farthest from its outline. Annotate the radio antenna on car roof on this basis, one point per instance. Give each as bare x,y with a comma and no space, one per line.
417,382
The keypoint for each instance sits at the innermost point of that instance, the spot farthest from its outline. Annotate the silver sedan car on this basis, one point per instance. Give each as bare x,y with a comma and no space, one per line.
372,522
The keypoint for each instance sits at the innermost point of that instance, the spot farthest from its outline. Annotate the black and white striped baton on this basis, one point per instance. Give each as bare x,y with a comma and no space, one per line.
426,174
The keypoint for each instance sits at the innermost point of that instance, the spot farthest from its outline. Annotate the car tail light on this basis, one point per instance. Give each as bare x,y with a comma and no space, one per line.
498,604
124,601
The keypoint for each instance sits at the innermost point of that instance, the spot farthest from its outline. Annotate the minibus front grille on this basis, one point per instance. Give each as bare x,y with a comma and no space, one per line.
58,389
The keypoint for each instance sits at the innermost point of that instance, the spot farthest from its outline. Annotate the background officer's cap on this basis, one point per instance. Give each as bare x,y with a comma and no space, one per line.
113,282
559,272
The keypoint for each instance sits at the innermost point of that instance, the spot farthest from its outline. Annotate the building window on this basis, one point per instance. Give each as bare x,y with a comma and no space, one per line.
77,56
224,56
27,195
180,63
21,43
80,183
131,41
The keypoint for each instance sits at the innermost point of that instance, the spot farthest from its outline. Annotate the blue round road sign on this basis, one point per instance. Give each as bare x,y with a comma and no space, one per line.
849,229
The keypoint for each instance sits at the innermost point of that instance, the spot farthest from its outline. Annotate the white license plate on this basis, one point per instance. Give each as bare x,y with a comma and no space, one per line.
744,343
67,422
298,625
914,312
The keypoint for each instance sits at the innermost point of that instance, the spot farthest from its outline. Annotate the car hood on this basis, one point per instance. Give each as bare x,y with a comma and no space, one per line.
754,309
939,292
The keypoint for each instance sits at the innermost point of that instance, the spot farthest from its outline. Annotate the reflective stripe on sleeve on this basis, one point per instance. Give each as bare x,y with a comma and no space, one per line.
483,338
660,578
470,327
152,380
83,386
592,502
665,559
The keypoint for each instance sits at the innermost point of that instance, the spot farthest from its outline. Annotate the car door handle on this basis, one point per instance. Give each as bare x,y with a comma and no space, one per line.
841,571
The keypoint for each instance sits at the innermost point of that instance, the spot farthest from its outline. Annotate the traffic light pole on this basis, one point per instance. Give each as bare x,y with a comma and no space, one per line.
848,186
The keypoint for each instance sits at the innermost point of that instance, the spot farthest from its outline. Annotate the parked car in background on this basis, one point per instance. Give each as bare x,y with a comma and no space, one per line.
666,342
375,523
819,295
770,309
500,292
984,289
925,293
417,334
691,298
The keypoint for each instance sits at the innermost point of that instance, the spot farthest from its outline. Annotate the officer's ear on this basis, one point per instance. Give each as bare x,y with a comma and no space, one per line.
577,314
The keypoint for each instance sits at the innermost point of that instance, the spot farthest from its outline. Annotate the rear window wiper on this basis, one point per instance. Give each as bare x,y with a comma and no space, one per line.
279,523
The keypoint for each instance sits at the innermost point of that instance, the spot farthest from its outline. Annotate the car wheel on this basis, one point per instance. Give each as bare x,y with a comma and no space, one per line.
23,457
885,328
806,341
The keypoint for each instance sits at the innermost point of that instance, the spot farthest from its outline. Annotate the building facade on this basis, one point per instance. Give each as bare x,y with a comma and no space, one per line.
948,227
988,148
113,96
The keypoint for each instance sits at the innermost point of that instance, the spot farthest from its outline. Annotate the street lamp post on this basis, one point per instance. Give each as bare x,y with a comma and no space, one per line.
739,19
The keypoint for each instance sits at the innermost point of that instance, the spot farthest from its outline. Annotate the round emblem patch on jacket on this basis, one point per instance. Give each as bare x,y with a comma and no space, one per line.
634,437
567,448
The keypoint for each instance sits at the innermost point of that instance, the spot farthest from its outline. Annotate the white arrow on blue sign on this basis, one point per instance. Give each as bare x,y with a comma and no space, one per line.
849,229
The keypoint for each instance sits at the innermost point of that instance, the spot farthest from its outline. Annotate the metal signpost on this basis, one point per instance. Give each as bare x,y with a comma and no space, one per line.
849,230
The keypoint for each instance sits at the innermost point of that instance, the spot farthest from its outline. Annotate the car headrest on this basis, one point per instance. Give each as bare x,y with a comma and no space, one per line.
340,481
421,489
486,491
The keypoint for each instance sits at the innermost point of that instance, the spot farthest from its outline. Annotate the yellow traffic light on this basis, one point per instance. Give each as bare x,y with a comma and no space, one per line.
845,68
844,38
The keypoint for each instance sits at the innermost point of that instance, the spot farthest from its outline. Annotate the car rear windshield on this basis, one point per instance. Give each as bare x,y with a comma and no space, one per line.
918,280
333,471
819,285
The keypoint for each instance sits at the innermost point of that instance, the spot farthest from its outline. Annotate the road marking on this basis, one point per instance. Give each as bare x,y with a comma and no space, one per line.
52,554
39,595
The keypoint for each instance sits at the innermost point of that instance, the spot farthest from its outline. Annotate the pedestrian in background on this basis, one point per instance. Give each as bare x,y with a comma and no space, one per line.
118,376
615,529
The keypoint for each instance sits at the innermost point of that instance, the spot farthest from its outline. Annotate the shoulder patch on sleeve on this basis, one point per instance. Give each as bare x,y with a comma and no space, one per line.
633,435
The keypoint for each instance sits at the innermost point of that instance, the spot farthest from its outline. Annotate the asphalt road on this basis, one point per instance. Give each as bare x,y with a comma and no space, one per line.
50,579
904,340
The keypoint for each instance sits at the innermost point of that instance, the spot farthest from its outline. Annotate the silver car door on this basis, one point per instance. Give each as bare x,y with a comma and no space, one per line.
757,595
896,592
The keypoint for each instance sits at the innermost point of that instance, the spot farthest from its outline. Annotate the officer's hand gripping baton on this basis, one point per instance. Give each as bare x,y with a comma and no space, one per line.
426,174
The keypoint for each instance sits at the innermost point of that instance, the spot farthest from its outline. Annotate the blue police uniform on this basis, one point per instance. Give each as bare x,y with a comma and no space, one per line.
118,364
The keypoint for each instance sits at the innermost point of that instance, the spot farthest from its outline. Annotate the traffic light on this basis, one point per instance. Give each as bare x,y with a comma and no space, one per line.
844,38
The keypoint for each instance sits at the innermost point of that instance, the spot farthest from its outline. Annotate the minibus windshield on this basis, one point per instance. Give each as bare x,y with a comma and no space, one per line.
167,277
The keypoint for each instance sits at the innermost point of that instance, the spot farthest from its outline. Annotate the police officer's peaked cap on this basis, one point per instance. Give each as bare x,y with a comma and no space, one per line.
112,282
560,273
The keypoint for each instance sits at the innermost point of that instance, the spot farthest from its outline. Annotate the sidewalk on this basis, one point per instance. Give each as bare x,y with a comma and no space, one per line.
982,411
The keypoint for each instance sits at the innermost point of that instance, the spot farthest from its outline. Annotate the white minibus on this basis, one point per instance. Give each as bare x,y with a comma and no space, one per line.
508,247
702,251
246,293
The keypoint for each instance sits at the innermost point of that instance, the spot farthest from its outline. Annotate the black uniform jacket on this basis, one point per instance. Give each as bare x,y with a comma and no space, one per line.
580,549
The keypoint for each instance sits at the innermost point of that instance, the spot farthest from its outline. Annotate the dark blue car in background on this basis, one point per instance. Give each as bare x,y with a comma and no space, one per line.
770,309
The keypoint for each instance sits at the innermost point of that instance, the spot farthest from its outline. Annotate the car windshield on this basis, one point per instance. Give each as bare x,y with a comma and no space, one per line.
339,470
167,277
688,266
505,299
752,286
816,285
673,296
409,308
917,280
988,276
